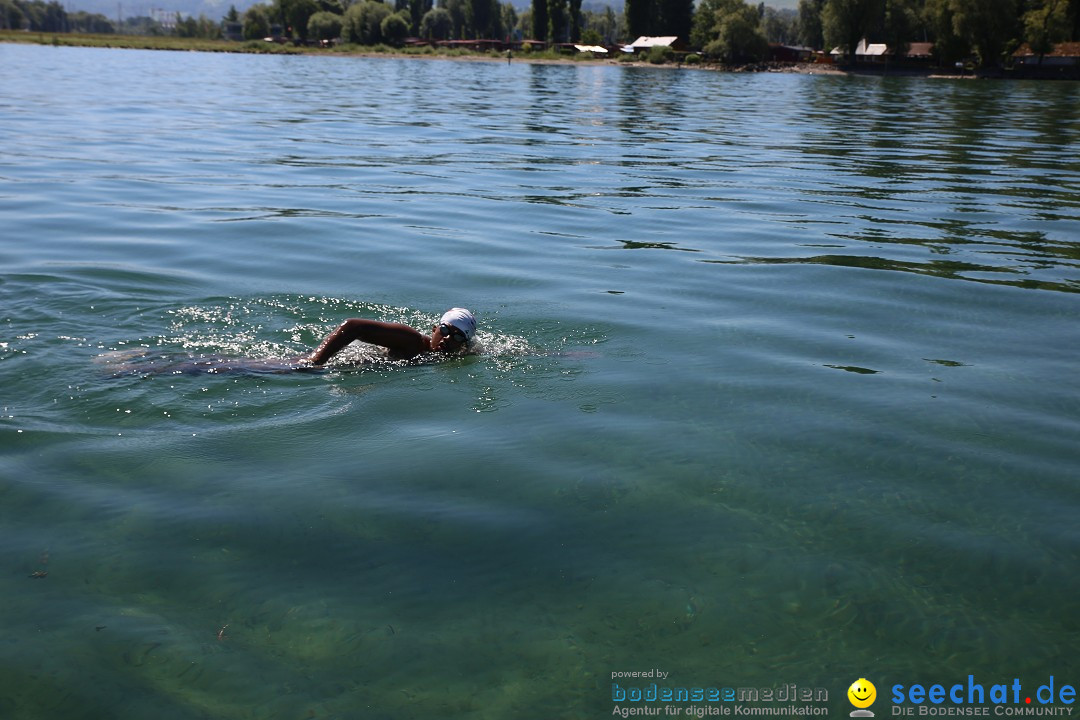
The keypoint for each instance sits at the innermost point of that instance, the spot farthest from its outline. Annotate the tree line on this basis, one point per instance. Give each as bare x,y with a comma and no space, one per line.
986,31
370,22
41,16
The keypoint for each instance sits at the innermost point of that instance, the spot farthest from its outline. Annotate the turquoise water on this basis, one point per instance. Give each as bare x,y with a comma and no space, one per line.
777,384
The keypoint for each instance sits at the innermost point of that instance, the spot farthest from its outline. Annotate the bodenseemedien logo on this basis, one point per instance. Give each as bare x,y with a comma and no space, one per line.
662,695
862,694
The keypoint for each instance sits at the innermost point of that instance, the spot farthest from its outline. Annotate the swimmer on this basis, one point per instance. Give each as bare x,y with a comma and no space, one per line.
143,362
452,334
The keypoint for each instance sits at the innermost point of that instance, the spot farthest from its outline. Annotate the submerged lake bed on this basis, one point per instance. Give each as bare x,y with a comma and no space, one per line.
776,385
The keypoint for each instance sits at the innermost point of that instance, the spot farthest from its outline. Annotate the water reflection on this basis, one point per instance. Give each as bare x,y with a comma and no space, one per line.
649,99
954,168
954,270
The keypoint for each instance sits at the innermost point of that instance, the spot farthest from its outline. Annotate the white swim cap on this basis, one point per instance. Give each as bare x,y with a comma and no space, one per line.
462,319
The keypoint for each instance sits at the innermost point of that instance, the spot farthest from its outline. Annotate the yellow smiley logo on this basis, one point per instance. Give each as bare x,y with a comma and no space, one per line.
862,693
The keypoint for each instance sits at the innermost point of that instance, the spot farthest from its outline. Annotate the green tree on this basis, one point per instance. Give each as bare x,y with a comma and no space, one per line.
899,25
659,54
729,30
574,7
1045,24
208,29
672,17
510,18
203,27
324,26
294,15
185,27
436,24
938,20
395,28
986,25
82,21
611,27
558,20
738,38
780,26
47,17
539,20
525,24
845,22
232,15
417,10
705,18
11,17
810,33
256,22
56,17
482,17
456,8
362,22
638,15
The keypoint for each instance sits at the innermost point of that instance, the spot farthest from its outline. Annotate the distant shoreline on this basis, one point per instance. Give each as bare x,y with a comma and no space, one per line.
175,44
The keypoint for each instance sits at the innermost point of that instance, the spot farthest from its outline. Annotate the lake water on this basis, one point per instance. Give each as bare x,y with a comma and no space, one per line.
778,384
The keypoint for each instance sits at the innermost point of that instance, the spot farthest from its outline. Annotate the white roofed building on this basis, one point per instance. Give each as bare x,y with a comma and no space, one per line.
864,51
646,43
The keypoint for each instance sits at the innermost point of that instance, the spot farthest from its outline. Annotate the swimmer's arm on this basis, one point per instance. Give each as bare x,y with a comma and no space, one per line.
401,340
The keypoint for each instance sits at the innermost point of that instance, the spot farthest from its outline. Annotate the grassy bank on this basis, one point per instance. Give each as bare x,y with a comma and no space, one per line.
141,42
145,42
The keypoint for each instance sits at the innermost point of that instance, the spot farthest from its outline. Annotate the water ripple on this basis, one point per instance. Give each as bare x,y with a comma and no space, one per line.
767,360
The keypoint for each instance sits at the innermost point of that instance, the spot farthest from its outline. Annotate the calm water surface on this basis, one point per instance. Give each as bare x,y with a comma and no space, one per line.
778,385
